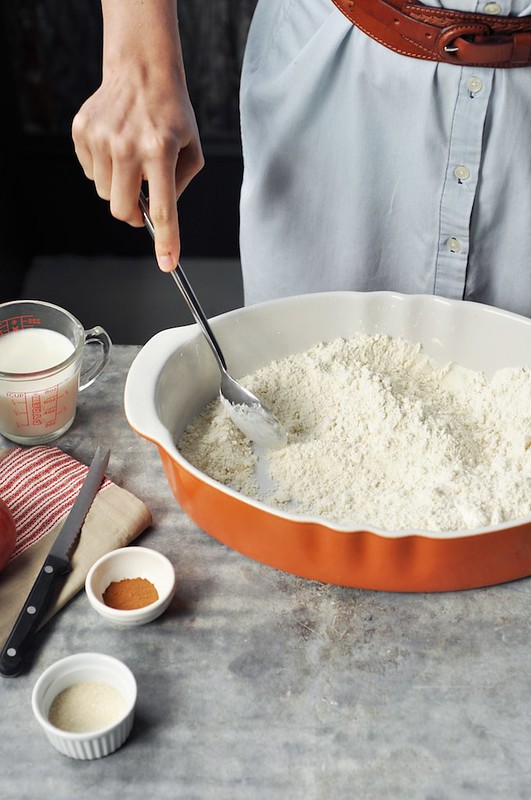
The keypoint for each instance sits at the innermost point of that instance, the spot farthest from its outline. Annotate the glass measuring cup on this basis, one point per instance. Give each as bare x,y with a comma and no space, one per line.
41,354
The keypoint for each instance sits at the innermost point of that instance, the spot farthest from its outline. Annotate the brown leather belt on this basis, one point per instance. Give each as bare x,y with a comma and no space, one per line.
438,34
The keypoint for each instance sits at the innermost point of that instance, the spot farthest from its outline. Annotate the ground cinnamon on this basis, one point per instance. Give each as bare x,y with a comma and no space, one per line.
130,593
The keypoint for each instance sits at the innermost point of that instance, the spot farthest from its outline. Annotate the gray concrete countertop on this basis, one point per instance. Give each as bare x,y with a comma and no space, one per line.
257,685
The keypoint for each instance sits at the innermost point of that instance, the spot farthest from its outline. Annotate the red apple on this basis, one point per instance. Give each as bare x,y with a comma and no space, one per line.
8,535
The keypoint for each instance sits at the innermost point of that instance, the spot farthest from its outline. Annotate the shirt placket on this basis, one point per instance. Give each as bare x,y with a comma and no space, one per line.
461,180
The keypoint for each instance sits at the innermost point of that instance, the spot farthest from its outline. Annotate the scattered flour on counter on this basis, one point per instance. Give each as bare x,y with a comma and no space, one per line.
379,434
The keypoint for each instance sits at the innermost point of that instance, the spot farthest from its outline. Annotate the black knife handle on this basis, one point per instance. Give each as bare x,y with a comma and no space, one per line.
37,603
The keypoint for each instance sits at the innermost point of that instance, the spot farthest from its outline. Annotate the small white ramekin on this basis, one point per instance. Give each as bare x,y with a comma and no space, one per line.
69,671
131,562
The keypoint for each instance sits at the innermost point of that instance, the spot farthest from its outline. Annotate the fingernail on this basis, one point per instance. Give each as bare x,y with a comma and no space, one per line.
166,263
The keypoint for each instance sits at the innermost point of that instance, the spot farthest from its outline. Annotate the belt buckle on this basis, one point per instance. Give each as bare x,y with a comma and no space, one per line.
447,40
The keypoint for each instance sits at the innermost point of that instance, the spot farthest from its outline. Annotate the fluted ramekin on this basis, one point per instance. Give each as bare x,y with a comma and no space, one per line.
72,670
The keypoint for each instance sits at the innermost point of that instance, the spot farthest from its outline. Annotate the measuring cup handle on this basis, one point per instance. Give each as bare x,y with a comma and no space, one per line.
95,336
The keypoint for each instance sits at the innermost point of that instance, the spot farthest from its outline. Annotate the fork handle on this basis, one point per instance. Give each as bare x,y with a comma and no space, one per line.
187,292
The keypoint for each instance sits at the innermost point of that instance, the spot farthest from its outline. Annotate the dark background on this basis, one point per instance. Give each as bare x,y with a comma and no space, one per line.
51,52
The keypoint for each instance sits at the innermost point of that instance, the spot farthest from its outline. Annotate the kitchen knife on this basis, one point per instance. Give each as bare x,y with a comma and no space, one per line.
54,570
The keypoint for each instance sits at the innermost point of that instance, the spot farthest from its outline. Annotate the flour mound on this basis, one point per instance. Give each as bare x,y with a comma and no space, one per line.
380,435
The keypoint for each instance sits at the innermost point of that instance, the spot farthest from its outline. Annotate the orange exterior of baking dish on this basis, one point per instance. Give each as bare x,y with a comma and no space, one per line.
361,559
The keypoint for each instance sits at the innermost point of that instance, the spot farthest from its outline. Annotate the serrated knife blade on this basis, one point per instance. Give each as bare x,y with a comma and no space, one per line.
53,572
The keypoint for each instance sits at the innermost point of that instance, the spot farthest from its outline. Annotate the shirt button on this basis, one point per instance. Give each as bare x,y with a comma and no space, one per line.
474,85
453,244
492,8
461,172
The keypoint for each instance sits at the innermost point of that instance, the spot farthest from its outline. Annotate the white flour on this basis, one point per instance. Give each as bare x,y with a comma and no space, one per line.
380,435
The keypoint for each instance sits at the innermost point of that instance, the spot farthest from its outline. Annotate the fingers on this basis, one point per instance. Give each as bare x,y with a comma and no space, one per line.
84,156
119,147
163,204
167,180
83,152
103,172
190,162
111,163
125,189
93,154
163,213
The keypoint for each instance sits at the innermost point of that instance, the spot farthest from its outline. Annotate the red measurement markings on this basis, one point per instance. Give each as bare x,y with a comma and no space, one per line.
20,408
36,408
18,323
50,405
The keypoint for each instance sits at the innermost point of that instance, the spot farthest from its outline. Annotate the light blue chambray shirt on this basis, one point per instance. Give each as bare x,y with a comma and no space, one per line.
368,170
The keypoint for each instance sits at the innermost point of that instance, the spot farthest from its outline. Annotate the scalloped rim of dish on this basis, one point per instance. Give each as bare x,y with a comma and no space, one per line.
324,523
172,338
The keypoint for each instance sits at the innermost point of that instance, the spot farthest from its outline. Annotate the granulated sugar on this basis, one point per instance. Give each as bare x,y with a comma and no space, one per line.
379,434
86,706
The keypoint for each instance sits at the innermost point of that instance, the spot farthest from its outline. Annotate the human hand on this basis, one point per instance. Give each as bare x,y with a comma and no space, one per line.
140,126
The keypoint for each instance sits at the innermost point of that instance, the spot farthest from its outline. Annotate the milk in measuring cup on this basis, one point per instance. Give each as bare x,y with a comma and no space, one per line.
34,405
33,349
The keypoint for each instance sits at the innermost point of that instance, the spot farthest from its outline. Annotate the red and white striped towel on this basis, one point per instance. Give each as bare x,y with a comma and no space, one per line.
39,485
